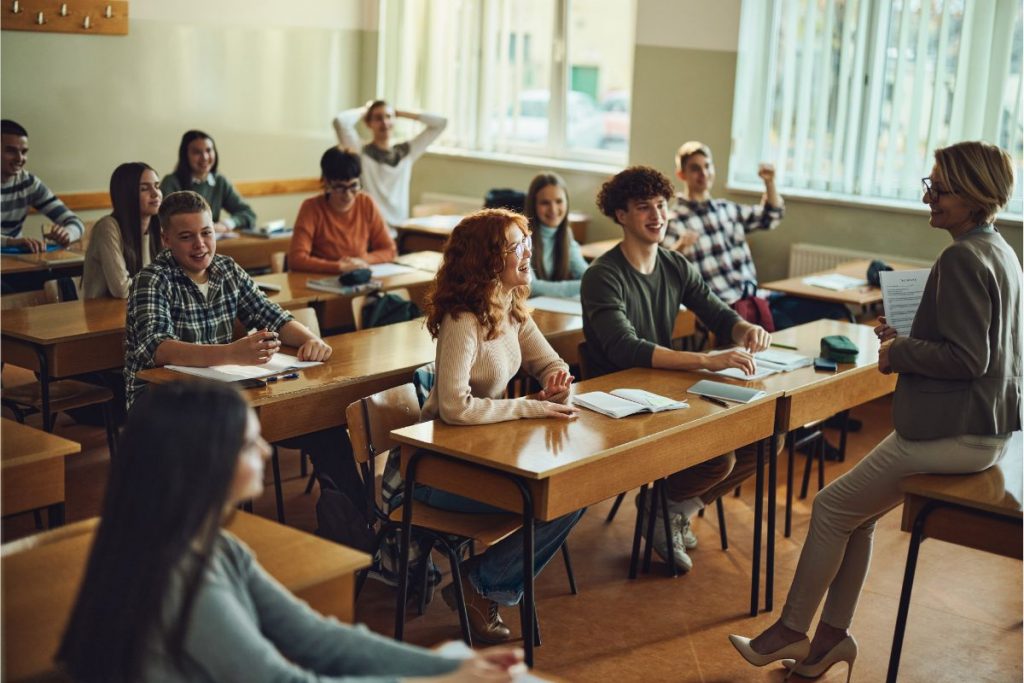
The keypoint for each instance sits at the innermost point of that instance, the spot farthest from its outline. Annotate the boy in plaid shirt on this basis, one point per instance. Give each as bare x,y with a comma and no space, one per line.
711,233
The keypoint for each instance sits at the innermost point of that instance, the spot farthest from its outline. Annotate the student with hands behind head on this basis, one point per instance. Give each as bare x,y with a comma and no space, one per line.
476,311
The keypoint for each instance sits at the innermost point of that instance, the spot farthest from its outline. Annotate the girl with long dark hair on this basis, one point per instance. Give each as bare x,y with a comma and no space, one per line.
557,263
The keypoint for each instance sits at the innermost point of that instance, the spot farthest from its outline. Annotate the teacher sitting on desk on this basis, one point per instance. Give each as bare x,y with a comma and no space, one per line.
477,313
957,400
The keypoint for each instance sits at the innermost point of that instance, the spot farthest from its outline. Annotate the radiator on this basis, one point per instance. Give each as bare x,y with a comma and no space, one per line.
805,259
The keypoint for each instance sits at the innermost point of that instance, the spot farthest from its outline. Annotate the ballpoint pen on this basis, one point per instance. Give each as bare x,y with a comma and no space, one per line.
716,401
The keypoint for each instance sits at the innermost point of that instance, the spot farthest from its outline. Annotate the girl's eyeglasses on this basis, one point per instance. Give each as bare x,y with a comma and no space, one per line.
521,246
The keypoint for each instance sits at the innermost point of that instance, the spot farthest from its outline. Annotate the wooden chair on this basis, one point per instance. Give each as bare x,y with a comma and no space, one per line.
370,422
278,262
359,301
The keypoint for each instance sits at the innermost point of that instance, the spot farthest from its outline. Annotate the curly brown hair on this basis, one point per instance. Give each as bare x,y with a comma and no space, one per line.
467,280
636,182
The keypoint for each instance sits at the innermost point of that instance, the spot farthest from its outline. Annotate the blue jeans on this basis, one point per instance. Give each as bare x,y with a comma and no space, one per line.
497,574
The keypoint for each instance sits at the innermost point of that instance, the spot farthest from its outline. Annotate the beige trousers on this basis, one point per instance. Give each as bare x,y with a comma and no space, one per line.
837,552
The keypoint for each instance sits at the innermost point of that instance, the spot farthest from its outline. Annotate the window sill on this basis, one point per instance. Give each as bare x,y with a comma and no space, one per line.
521,160
1004,219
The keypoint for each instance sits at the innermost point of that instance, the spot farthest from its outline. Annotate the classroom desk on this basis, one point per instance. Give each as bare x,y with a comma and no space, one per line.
253,253
548,468
595,249
980,511
32,470
40,584
363,362
429,233
67,261
806,395
857,296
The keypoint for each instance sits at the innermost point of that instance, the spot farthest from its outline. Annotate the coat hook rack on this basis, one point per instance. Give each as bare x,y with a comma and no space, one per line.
94,17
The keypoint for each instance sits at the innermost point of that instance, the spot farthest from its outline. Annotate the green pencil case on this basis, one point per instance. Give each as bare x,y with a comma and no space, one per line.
839,348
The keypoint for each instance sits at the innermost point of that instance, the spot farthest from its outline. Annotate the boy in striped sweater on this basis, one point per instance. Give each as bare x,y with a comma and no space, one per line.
20,190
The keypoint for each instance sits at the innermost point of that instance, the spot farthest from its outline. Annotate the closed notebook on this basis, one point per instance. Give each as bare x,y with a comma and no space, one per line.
726,392
623,402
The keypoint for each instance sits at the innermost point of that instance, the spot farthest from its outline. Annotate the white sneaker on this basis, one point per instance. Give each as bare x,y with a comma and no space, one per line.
686,530
684,562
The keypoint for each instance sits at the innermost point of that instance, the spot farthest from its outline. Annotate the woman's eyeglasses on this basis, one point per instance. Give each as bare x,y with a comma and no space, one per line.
520,247
931,192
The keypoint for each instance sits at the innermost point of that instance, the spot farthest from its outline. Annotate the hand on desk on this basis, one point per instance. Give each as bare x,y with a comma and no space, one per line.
733,358
350,263
254,349
315,349
60,235
883,331
33,246
493,664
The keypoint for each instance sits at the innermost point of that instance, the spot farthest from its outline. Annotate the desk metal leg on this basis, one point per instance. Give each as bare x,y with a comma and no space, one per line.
755,564
916,536
638,531
769,572
529,629
790,450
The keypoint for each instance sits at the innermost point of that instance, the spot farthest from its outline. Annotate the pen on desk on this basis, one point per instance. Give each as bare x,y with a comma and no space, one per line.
290,375
716,401
784,346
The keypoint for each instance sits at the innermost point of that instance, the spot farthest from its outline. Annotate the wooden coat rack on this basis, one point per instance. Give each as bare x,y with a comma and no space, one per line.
97,17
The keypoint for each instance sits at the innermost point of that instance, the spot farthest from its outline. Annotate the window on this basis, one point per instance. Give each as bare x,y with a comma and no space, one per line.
850,98
540,78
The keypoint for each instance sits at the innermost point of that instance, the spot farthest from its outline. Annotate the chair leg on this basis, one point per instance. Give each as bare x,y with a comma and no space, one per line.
425,550
460,598
736,493
634,559
536,622
821,462
568,569
615,508
672,571
303,461
808,464
275,464
108,420
721,523
843,431
652,516
789,487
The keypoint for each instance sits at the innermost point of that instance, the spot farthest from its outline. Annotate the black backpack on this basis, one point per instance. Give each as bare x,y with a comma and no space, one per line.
382,308
505,198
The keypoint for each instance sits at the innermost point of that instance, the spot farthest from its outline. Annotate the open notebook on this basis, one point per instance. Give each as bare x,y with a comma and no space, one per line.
278,364
623,402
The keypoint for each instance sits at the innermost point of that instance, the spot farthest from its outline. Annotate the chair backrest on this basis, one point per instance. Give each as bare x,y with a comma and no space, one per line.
307,316
359,301
278,262
586,367
371,419
38,297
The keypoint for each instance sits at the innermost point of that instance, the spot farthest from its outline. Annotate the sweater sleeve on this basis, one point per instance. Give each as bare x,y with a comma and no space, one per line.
288,642
345,128
382,247
242,215
705,304
300,249
577,264
458,343
47,203
435,125
105,241
962,289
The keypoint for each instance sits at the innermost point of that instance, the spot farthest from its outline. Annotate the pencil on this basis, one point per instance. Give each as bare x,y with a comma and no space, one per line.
783,346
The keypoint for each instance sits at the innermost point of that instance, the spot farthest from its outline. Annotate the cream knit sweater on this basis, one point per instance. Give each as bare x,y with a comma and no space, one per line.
472,373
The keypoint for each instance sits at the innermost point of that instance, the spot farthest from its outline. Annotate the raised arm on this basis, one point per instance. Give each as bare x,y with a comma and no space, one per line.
345,127
434,125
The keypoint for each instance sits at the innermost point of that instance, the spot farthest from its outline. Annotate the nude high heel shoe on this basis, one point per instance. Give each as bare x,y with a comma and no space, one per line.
795,651
844,651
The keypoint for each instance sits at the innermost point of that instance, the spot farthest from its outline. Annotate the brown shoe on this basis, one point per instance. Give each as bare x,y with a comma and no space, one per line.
485,623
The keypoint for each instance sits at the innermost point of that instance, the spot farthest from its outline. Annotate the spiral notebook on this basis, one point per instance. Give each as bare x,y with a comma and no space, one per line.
725,392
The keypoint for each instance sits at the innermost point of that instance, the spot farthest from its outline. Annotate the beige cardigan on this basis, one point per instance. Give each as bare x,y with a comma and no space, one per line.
473,373
960,368
104,273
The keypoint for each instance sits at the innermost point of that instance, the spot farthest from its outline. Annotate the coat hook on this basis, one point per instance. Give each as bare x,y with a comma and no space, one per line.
15,7
39,19
108,13
86,23
64,9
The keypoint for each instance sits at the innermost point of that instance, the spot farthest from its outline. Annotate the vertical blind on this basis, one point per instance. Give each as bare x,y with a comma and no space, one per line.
852,97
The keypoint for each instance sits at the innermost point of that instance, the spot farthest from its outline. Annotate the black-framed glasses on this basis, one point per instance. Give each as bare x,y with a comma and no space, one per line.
350,187
521,246
930,191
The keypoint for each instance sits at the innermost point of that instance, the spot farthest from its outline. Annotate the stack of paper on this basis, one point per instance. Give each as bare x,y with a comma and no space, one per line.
623,402
389,269
834,281
782,361
278,363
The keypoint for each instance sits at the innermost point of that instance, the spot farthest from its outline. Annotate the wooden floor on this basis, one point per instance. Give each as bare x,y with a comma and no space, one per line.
965,620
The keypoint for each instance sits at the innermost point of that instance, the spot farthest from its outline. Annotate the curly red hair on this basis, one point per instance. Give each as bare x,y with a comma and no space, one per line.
468,278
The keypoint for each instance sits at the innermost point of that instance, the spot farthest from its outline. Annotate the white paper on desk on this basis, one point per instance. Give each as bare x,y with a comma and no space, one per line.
837,282
901,295
760,370
556,305
389,269
279,362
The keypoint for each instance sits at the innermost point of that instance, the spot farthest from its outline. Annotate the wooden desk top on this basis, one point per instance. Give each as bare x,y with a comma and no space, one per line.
542,448
40,584
998,489
66,321
595,249
23,263
857,296
21,444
